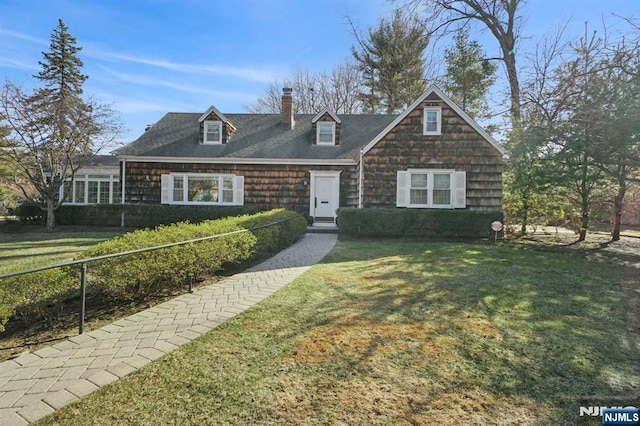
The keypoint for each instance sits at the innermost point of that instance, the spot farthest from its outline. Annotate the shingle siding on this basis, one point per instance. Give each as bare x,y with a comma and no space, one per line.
459,147
265,186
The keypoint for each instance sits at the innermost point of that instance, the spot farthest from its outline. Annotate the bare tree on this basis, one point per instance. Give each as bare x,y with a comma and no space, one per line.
337,90
500,17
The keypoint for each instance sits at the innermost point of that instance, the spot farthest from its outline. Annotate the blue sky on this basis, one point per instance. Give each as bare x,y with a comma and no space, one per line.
149,57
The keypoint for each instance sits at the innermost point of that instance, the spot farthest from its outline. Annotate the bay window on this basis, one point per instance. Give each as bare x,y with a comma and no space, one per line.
92,189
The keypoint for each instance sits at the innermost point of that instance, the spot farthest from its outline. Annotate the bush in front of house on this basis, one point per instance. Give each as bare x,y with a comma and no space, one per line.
30,213
138,275
39,295
417,223
35,295
143,215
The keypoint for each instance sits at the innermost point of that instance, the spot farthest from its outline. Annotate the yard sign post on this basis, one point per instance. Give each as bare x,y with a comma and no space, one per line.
496,226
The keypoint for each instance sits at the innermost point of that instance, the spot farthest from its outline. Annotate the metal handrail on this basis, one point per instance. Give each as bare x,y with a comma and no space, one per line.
83,262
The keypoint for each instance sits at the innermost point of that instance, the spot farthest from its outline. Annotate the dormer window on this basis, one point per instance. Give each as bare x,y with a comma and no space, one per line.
213,132
326,133
432,120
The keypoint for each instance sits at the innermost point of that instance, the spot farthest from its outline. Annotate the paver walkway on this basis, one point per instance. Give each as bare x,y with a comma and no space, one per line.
36,384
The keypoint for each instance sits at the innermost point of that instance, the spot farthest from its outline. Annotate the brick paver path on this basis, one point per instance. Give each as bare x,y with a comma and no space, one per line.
36,384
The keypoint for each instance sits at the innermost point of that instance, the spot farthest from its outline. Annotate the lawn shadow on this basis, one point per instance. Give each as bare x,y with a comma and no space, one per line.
517,324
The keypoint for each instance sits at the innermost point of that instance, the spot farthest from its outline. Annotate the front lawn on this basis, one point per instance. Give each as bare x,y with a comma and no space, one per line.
28,246
400,333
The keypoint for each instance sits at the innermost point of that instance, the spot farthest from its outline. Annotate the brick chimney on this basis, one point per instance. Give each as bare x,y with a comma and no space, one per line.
286,115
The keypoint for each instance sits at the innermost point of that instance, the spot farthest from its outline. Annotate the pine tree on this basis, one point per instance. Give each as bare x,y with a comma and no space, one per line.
392,64
469,76
61,68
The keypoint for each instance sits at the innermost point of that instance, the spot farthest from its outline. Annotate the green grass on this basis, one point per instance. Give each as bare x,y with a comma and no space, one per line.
398,333
34,247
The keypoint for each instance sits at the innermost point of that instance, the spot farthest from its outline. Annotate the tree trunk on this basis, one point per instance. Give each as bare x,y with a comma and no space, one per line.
584,223
585,194
514,90
617,210
584,214
51,216
525,214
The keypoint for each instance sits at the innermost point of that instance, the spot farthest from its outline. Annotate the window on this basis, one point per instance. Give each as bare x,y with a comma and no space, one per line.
419,189
431,189
202,189
441,189
213,132
178,188
432,120
326,133
92,189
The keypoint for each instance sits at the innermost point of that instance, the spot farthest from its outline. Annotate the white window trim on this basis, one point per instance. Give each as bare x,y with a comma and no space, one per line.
333,133
208,123
457,189
168,182
109,179
437,110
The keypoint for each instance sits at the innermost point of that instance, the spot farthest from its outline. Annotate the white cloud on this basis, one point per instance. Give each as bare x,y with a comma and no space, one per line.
137,79
261,75
17,64
23,36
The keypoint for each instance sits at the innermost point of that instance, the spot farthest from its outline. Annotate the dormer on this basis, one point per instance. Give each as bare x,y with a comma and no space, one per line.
215,128
325,127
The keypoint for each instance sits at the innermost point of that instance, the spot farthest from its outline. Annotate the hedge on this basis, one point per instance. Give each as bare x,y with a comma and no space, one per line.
417,223
38,294
135,215
143,215
139,275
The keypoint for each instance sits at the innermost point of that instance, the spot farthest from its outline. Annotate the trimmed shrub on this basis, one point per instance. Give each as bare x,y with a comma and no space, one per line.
140,274
417,223
30,213
274,238
38,294
143,215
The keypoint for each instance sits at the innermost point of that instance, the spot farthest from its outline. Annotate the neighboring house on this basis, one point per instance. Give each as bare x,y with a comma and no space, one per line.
433,155
97,182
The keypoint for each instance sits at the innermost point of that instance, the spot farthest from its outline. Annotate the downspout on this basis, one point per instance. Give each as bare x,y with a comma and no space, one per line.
122,188
360,179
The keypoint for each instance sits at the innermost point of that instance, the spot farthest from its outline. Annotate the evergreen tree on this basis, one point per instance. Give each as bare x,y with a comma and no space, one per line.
61,68
392,64
469,76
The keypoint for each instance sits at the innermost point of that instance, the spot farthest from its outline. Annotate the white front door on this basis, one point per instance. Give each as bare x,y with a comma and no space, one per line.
325,195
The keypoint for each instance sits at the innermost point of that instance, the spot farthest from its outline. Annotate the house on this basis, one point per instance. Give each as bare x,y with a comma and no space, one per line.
432,155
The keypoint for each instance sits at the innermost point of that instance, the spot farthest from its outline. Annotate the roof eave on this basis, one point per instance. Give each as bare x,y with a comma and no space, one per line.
237,160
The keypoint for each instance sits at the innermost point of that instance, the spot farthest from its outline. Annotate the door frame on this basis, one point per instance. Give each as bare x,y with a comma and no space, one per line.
335,190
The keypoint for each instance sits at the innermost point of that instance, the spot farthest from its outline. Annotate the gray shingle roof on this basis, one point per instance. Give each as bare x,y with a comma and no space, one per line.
257,136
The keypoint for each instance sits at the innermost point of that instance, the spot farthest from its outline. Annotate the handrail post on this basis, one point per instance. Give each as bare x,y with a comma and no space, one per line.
83,294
